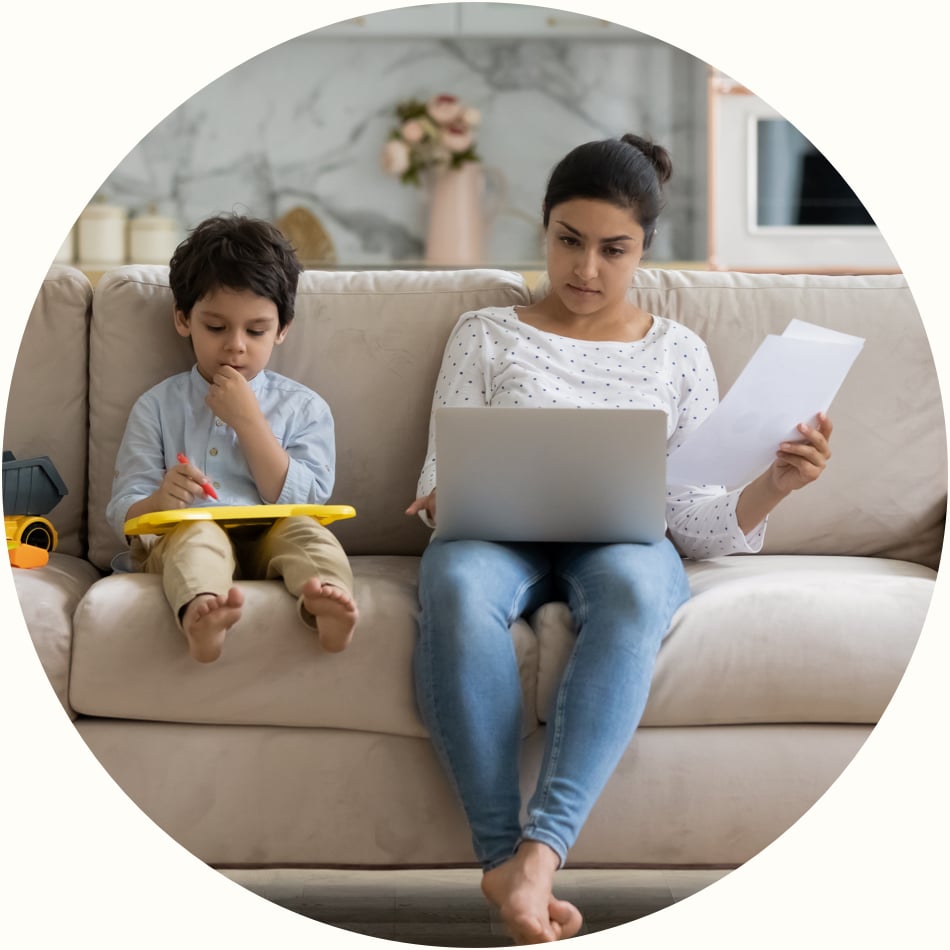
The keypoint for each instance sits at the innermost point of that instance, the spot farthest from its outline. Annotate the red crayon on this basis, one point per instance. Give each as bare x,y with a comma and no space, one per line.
205,485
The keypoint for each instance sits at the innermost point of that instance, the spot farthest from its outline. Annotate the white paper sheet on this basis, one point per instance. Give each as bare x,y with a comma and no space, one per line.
788,380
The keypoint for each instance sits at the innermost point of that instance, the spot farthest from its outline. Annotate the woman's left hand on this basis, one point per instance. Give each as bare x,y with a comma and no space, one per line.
799,463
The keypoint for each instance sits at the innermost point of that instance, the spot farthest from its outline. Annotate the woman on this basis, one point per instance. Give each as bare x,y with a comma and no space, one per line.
583,344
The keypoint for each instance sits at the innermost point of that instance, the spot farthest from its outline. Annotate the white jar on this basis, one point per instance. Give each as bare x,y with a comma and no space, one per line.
152,239
102,236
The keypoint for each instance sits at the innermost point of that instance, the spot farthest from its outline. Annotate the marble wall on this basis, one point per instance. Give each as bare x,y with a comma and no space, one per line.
303,125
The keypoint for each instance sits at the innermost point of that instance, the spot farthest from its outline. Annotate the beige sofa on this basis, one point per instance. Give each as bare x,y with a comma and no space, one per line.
281,755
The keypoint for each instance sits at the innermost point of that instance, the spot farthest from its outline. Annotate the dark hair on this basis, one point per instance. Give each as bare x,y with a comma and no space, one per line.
629,172
238,253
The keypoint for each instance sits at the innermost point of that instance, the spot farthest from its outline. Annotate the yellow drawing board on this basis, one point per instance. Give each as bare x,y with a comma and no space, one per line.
233,516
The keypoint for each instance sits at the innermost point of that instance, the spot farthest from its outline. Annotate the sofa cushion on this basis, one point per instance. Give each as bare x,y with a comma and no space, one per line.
370,343
773,639
130,659
711,795
259,796
46,411
884,492
764,638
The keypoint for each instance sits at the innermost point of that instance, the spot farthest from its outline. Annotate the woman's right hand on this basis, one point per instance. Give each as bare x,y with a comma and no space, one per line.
426,503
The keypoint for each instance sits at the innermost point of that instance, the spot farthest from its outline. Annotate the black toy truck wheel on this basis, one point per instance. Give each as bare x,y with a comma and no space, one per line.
39,533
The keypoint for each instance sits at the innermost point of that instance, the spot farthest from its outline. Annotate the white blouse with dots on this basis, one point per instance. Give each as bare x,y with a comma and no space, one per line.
493,359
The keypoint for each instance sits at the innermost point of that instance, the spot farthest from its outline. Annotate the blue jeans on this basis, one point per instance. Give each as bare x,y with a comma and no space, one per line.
622,597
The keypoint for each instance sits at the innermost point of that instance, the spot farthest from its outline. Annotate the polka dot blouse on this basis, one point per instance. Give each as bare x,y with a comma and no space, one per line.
493,359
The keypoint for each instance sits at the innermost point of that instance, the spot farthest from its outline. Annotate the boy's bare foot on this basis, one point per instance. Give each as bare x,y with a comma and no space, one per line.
206,621
522,890
335,612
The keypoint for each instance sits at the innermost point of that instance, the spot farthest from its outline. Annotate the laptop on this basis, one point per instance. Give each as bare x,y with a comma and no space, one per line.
550,474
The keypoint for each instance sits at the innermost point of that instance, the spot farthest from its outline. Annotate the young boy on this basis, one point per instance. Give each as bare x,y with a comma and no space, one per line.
254,436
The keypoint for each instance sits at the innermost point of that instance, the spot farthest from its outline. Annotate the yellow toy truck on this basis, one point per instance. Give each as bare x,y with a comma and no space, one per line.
31,488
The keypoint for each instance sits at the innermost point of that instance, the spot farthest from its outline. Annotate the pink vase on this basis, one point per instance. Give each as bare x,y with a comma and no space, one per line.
457,217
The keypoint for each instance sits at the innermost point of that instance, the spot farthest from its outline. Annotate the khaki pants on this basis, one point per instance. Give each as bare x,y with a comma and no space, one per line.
200,557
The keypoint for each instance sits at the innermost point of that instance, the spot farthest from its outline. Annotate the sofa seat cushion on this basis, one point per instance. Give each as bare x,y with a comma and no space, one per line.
773,639
48,597
130,659
767,638
259,796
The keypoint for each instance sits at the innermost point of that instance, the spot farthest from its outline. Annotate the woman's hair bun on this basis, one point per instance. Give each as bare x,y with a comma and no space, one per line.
659,157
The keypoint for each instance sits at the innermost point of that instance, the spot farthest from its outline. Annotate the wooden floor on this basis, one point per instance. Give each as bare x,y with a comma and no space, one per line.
445,908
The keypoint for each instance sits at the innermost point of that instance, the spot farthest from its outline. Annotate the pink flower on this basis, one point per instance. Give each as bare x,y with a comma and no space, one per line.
430,135
412,131
444,108
395,157
456,137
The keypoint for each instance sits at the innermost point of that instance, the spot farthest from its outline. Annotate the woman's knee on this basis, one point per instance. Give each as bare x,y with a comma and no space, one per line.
631,578
448,575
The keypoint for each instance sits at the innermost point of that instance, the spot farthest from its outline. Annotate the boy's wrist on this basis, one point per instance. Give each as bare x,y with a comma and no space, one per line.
246,427
144,506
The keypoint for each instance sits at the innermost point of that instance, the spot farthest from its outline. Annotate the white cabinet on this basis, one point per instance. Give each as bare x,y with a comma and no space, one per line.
517,19
436,19
776,203
476,19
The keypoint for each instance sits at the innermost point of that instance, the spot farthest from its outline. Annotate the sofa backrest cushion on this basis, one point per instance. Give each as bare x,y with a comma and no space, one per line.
47,407
884,492
370,343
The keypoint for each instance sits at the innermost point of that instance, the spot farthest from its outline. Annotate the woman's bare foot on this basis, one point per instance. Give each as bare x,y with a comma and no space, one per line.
335,612
206,621
522,890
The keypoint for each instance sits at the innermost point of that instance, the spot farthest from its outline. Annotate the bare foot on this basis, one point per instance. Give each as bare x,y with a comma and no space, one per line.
335,612
206,621
522,890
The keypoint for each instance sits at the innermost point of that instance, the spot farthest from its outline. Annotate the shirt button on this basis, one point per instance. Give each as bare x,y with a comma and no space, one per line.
218,422
213,452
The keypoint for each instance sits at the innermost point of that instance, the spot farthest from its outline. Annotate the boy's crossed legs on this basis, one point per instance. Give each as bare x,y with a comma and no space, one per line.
316,571
198,561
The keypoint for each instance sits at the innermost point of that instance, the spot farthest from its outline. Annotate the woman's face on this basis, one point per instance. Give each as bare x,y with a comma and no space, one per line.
592,249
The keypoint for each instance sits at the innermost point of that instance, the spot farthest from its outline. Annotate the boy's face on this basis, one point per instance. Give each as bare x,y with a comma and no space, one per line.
231,328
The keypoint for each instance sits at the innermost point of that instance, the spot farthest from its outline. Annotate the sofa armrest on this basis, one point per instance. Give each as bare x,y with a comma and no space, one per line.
47,412
48,598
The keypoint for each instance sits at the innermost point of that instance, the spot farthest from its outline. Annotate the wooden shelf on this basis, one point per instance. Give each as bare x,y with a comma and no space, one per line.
531,271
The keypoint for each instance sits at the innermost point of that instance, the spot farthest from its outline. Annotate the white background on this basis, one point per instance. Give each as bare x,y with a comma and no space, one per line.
83,82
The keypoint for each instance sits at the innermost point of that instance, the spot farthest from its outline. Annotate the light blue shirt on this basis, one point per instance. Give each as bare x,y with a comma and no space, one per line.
173,417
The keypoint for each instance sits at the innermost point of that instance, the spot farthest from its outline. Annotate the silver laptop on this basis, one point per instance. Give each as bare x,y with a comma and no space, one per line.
550,474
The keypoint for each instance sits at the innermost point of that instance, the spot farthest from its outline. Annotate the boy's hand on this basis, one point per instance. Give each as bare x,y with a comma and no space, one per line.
231,398
180,487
